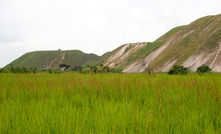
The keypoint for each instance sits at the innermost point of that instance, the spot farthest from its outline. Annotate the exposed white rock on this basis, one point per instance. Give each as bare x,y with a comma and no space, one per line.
120,55
139,66
210,59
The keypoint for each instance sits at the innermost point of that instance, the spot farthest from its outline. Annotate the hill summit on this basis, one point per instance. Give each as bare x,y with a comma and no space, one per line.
52,59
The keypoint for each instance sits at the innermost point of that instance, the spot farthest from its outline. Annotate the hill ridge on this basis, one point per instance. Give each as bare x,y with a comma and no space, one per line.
181,43
189,45
52,58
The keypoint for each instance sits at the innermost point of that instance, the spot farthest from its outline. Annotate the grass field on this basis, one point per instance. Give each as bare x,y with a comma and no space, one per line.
110,103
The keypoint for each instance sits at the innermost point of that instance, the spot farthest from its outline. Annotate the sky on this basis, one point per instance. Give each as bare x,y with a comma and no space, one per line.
92,26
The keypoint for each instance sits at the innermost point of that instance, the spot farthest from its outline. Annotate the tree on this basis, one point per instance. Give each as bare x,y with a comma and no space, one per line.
116,70
25,70
64,67
106,69
35,70
2,70
149,70
77,68
177,69
12,69
203,69
50,71
94,68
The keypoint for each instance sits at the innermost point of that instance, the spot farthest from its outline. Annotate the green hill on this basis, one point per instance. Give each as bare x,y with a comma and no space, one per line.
191,46
52,59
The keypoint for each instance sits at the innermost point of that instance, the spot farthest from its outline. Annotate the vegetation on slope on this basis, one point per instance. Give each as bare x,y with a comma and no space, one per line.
170,33
150,47
52,59
202,35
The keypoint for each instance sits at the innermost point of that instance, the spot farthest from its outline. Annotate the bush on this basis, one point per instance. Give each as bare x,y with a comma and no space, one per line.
2,70
77,68
116,70
25,70
203,69
50,71
35,70
177,69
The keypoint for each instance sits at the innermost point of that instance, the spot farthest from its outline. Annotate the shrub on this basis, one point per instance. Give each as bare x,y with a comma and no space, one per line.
177,69
25,70
203,69
2,70
106,69
35,70
116,70
77,68
50,71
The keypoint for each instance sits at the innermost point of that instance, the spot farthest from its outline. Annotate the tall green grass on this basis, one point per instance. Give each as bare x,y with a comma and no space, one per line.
110,103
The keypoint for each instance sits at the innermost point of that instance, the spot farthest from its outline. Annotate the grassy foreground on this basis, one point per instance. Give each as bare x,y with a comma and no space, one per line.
110,103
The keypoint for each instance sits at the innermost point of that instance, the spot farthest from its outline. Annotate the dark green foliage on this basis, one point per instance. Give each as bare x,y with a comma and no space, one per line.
106,69
12,69
54,71
22,70
35,70
100,69
64,66
116,70
77,68
2,70
203,69
18,69
25,70
177,69
50,71
94,68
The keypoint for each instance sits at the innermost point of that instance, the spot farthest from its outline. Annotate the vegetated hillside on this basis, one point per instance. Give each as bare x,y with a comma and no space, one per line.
52,59
127,54
191,46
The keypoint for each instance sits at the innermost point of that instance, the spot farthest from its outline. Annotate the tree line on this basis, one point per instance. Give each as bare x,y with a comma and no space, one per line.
18,69
177,69
100,68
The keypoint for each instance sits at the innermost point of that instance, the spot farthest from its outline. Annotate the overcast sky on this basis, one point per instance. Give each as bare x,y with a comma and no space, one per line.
93,26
